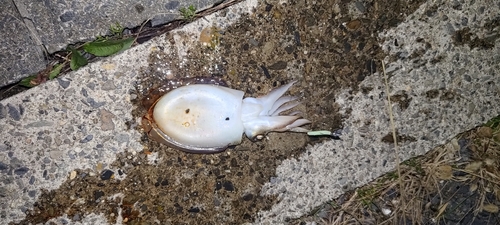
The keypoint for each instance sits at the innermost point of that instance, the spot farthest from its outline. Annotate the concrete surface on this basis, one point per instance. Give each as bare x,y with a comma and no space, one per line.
468,80
60,23
441,85
21,53
32,26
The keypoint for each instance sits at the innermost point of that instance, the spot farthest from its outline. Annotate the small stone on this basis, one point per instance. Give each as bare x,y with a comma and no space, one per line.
99,167
3,111
3,167
21,171
122,138
64,83
216,202
87,138
56,154
14,113
296,38
95,104
253,42
267,48
139,8
98,194
106,120
108,86
194,210
172,5
72,175
46,160
347,47
91,85
280,65
360,6
32,193
289,49
228,186
67,16
354,24
84,92
268,7
218,185
107,174
41,123
248,197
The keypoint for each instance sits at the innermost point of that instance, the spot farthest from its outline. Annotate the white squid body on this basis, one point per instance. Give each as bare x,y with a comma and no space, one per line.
204,118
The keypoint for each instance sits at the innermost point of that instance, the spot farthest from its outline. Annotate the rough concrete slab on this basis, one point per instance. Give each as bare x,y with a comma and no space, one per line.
20,54
59,23
29,27
451,87
80,121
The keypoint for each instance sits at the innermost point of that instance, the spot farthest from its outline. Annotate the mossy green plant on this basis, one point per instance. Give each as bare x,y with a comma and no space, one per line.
188,13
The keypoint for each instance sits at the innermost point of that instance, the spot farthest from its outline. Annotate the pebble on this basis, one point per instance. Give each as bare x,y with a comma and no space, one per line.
99,167
172,5
95,104
72,175
64,83
354,24
228,186
108,86
13,112
87,138
280,65
56,154
106,120
194,210
84,92
247,197
122,138
360,6
32,180
32,193
41,123
107,174
21,171
3,111
67,16
98,194
253,42
3,166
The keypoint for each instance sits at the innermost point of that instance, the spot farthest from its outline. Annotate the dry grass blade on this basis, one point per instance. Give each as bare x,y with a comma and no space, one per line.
396,148
441,210
491,208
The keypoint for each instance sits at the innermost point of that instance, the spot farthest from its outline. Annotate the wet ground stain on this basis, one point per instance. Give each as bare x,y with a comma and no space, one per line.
324,45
